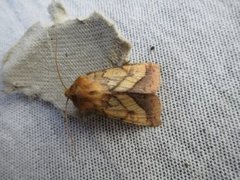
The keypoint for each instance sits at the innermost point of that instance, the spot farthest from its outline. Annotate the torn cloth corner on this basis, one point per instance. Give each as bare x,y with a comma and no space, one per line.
82,46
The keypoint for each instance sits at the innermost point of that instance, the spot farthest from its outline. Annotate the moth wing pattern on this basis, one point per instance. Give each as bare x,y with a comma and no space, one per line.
139,109
136,78
126,93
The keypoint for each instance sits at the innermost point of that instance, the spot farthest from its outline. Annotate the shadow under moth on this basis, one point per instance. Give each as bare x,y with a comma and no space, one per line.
126,93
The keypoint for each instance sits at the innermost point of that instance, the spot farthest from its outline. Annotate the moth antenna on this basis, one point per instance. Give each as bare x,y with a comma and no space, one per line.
57,66
66,122
67,131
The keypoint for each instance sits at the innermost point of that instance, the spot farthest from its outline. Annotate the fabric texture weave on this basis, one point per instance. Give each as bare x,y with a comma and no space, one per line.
197,44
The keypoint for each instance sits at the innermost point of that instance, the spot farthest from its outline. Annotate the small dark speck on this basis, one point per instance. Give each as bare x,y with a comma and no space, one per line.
186,165
66,54
82,22
203,130
152,48
51,38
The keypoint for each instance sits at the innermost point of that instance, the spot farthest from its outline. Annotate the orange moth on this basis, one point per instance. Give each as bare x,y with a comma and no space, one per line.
126,93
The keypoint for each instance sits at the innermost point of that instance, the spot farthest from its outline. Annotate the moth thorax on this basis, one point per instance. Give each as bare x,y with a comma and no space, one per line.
85,87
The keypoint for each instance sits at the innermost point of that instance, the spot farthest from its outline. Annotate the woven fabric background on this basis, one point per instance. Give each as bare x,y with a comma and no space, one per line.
197,44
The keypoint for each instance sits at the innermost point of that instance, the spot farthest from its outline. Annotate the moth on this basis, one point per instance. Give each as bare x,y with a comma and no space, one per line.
127,93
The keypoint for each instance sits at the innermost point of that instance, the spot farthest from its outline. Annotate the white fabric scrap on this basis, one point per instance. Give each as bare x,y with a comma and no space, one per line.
82,46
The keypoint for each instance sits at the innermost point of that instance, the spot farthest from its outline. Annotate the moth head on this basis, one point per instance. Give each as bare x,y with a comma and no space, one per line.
86,94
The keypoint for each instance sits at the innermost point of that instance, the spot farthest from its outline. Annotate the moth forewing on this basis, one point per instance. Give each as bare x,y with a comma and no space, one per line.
135,78
139,109
150,82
